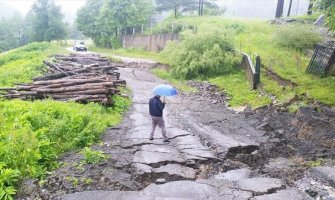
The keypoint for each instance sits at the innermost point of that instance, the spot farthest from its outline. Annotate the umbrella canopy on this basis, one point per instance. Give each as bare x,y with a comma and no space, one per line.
165,90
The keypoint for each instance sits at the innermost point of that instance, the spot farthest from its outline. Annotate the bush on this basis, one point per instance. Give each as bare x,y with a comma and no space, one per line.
93,157
34,134
202,55
297,36
23,64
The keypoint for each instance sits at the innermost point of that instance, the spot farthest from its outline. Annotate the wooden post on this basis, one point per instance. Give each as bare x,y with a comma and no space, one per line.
280,8
258,69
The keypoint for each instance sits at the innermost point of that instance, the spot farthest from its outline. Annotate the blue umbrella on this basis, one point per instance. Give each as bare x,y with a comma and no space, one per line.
165,90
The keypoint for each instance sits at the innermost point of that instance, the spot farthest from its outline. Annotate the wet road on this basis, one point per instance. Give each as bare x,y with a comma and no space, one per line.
194,164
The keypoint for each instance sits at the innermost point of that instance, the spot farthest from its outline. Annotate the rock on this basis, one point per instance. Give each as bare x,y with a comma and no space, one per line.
260,186
28,187
181,189
176,170
155,154
280,163
320,21
324,174
234,175
142,168
264,125
283,194
107,195
160,181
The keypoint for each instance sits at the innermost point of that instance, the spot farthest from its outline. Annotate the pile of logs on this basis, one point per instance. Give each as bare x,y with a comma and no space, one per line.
78,77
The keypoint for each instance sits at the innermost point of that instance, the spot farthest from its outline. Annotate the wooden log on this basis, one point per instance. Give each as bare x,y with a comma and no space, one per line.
85,92
61,96
68,89
25,87
66,58
55,67
107,83
7,88
62,75
78,81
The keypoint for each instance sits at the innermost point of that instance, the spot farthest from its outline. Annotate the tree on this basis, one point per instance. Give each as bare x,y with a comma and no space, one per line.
329,6
280,7
178,6
289,8
104,20
46,20
11,32
310,7
87,18
209,4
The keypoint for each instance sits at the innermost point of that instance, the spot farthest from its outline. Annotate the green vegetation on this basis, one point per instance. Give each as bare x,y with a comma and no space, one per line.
257,36
34,134
238,88
202,55
251,36
312,18
132,53
43,22
329,6
297,36
22,64
104,20
180,6
93,157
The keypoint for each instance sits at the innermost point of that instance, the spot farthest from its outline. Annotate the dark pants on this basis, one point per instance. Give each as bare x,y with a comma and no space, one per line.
160,122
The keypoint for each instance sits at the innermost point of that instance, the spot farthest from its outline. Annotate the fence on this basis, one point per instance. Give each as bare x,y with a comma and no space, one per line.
155,42
252,72
322,60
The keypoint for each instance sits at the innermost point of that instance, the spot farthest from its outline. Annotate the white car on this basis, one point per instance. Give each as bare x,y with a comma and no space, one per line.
80,46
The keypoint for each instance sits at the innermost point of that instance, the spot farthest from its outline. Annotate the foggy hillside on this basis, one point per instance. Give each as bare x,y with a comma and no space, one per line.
7,11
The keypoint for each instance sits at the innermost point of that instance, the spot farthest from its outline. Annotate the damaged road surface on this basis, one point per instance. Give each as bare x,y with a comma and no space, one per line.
214,154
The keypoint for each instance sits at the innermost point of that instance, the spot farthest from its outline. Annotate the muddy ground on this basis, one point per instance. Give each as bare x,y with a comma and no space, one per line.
214,153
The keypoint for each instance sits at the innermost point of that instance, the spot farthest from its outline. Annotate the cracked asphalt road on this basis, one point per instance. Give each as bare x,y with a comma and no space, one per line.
210,156
202,135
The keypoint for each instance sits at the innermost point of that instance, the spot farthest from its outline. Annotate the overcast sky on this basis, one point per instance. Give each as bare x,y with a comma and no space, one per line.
23,6
236,8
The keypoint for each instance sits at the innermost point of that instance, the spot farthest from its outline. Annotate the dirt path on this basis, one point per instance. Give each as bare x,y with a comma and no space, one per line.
214,153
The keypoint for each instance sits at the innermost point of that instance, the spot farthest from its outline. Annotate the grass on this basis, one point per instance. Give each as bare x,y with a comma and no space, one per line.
34,133
256,37
23,64
238,88
133,53
313,17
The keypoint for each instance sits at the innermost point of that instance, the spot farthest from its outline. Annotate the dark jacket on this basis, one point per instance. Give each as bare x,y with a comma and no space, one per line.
156,107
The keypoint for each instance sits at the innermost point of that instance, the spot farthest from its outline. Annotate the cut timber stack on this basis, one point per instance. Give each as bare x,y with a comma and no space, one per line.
76,77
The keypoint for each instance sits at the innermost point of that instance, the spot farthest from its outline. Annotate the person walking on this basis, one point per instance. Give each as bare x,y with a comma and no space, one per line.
156,107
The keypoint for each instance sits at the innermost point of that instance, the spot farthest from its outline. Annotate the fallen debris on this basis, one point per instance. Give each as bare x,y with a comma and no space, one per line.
80,78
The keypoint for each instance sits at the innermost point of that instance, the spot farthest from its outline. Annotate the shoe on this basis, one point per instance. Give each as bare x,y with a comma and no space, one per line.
151,138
